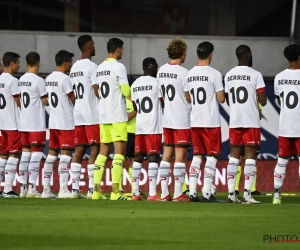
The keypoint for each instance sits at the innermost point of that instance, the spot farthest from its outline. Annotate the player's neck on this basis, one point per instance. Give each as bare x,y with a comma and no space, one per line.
113,56
8,70
60,69
205,62
294,65
86,56
175,62
33,70
242,63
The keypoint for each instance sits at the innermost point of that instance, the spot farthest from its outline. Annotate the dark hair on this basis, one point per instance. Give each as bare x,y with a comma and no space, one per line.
149,63
33,58
63,56
9,57
241,50
204,50
113,44
83,40
292,52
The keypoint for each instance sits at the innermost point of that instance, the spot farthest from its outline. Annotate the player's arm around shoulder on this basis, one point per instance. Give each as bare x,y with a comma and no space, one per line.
225,89
15,91
94,79
123,81
220,93
41,88
186,89
68,89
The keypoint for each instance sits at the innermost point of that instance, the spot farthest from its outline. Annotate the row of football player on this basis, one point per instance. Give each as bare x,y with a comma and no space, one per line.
202,86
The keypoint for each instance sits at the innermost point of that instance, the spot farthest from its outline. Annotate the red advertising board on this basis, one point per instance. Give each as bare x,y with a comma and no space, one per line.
264,178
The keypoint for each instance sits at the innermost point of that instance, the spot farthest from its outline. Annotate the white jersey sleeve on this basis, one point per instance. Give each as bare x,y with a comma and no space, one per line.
83,77
177,110
112,105
32,89
9,111
287,87
242,84
202,83
61,115
146,93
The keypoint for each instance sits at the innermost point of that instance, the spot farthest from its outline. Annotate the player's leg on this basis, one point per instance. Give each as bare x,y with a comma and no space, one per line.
93,135
37,144
140,150
182,143
165,164
3,159
286,149
129,155
235,135
239,170
254,191
196,163
24,163
99,165
13,148
66,143
251,135
212,145
81,143
119,137
153,143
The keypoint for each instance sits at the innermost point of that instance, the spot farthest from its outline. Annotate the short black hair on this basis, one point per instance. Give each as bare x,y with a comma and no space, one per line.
83,40
10,57
204,50
241,50
292,52
149,63
32,58
113,44
63,56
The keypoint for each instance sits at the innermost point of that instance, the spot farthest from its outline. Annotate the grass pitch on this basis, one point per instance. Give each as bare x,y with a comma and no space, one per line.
86,224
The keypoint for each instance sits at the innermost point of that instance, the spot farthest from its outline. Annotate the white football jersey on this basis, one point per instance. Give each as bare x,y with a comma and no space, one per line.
83,77
287,87
112,105
202,83
177,110
9,111
32,88
145,92
242,84
61,115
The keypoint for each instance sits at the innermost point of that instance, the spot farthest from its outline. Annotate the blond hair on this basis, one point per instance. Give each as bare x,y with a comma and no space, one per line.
177,48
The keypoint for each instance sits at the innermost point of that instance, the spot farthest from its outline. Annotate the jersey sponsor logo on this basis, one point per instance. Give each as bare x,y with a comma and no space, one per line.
76,74
27,84
197,78
103,73
167,75
238,77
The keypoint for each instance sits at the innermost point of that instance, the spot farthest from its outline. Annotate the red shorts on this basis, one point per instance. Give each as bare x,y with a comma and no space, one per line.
86,135
149,144
34,140
206,141
61,139
11,142
177,137
244,136
288,146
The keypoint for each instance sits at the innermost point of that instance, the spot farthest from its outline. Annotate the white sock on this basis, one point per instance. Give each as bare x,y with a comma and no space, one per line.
91,175
164,171
10,173
194,175
136,171
179,175
279,175
249,172
2,167
152,174
231,174
23,167
34,169
63,171
48,169
75,175
209,175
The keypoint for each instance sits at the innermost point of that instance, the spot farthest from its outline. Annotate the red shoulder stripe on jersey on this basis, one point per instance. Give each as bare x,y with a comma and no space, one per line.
70,94
44,96
16,95
260,90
